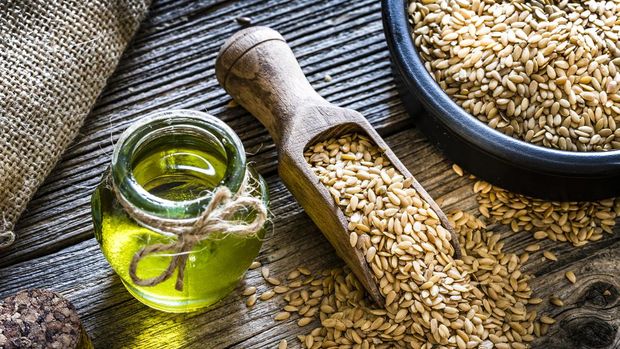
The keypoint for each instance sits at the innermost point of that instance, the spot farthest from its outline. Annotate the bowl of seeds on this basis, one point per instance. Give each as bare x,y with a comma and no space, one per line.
524,94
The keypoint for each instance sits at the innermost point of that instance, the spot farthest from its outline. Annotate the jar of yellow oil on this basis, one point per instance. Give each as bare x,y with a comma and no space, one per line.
165,169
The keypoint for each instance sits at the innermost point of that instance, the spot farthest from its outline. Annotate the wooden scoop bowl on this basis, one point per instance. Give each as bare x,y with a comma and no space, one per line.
259,70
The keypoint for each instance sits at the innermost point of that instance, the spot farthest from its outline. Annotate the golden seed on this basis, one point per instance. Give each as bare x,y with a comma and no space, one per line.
556,301
249,291
547,320
265,272
550,256
273,281
457,169
282,316
280,289
251,300
266,295
304,321
255,265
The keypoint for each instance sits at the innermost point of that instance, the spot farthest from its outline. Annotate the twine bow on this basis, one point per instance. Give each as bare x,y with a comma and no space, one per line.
216,218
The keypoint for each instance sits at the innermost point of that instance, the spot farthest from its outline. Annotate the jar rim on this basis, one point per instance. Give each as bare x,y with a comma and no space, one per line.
133,137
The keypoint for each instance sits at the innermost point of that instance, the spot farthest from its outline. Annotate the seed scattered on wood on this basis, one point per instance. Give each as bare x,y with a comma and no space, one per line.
532,248
280,289
265,272
547,320
255,265
327,78
251,300
304,271
481,300
457,169
556,301
574,222
266,295
411,256
249,291
570,275
304,321
283,344
550,256
273,281
282,316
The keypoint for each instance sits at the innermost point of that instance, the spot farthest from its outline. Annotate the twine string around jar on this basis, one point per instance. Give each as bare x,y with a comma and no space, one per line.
218,217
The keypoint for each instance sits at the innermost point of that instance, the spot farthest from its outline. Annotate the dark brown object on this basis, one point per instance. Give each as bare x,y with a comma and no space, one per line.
55,57
259,70
40,319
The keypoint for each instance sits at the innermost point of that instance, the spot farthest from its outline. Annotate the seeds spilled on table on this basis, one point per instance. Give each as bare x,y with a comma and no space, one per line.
575,222
430,297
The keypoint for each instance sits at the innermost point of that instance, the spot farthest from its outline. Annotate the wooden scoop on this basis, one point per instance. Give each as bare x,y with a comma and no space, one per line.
259,70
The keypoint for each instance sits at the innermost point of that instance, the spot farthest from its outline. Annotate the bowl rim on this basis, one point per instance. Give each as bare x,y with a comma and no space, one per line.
536,158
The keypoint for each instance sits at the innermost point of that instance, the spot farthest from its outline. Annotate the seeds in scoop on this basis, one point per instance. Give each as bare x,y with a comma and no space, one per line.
293,275
353,239
391,224
571,277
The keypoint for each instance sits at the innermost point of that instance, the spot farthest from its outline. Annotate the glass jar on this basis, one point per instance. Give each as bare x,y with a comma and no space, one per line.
167,166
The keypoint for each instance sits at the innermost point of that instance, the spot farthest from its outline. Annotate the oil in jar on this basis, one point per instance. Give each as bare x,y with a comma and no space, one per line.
177,170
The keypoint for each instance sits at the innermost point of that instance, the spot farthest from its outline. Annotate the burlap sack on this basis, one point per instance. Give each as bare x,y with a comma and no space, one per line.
55,57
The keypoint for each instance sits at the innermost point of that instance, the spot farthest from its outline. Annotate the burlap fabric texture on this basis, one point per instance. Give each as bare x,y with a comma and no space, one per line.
55,58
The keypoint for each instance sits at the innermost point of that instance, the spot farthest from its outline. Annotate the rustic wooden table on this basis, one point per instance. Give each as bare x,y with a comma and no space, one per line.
170,65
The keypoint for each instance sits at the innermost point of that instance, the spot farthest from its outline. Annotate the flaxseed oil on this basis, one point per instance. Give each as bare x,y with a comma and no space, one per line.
179,169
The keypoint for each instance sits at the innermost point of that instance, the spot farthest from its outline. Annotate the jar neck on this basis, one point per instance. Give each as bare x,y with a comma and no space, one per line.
176,129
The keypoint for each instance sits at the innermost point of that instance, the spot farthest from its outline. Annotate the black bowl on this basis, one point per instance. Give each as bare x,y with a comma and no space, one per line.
510,163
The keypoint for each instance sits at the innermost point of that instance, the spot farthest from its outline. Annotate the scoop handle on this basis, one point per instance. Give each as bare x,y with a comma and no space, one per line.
259,70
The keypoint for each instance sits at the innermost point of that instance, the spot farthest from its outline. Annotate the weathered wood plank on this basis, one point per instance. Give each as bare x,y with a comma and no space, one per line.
82,274
170,64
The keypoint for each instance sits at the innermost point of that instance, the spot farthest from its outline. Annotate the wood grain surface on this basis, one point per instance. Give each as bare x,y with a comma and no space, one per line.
171,65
